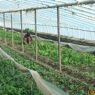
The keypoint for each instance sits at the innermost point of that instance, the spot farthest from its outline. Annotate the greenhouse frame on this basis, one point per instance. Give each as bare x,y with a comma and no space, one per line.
68,57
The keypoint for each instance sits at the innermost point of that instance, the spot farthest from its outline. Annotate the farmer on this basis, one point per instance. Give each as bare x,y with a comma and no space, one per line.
27,38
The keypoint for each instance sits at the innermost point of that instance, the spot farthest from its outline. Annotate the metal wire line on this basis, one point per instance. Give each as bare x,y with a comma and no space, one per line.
64,27
67,27
25,3
85,17
90,17
75,8
80,10
83,11
53,20
89,12
30,24
81,14
61,27
70,19
53,6
87,8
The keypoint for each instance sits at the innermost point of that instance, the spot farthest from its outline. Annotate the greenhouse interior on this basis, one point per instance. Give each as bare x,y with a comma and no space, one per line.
47,47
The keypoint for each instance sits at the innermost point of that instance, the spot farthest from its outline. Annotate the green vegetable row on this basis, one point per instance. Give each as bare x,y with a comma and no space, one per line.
13,82
62,81
49,49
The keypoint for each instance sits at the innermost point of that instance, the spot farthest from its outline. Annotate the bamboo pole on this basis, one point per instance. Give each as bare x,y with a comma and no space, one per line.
4,28
58,31
35,17
12,30
21,31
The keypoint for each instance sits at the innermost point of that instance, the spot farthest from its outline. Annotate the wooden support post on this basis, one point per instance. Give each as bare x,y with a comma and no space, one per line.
35,17
4,28
12,30
21,31
59,46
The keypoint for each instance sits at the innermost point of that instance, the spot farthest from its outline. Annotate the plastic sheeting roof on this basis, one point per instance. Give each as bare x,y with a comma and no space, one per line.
19,4
79,19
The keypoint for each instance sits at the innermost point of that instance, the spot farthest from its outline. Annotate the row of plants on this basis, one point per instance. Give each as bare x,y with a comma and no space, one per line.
72,59
13,82
49,49
64,82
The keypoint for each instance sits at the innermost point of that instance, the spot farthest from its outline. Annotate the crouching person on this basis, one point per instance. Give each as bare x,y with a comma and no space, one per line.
27,38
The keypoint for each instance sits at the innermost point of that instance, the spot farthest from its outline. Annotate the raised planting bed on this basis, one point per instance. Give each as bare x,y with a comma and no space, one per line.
63,81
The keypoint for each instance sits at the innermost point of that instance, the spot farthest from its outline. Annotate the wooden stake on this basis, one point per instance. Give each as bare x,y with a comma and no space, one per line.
4,28
35,17
12,30
58,30
21,31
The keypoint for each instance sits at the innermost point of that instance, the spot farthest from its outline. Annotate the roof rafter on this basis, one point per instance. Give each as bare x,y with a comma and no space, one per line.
54,6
